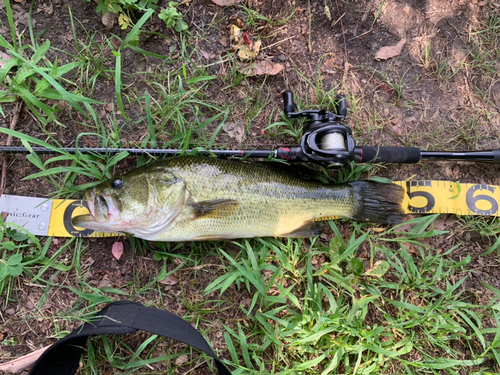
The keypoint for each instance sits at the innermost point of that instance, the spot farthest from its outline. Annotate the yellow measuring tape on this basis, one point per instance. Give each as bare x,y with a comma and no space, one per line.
422,197
445,197
60,220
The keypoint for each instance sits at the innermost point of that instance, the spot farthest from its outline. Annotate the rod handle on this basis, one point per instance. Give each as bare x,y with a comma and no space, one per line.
366,154
496,156
291,153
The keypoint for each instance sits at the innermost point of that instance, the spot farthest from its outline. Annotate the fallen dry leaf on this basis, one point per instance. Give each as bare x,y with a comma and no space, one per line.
109,19
49,9
181,360
240,23
329,66
406,227
234,33
398,130
117,250
390,51
247,48
325,236
115,42
4,56
19,364
261,68
207,55
170,280
223,41
104,282
444,222
346,71
412,248
178,261
379,269
225,3
21,15
235,130
440,223
247,53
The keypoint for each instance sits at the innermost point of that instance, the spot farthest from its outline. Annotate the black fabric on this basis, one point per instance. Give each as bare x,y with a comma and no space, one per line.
120,317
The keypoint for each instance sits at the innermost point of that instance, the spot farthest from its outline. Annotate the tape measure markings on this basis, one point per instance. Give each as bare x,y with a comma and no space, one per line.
450,197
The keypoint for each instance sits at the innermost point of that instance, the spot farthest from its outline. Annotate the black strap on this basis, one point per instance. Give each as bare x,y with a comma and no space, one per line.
120,317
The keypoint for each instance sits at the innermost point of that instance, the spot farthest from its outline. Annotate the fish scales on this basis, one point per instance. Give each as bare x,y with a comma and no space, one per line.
199,198
271,203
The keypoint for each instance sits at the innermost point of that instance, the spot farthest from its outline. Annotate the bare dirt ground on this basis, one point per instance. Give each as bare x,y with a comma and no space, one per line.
433,96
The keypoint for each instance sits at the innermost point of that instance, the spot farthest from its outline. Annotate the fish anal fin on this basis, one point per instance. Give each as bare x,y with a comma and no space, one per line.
214,209
309,229
326,218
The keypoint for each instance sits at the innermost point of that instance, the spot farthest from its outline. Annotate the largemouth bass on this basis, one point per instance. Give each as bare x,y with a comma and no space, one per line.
199,198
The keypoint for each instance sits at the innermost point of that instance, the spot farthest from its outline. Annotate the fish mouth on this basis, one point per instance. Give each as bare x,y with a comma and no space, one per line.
84,221
103,210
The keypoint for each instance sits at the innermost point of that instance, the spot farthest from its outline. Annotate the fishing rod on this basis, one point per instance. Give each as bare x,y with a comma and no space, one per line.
326,141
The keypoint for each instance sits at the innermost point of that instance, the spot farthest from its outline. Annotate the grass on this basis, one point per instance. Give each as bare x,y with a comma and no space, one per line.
312,304
362,299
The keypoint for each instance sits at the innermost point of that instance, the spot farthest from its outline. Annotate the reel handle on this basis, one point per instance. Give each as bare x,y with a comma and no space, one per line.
288,106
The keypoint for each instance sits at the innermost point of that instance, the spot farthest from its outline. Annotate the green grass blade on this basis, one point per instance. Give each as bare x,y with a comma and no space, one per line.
151,129
137,27
70,98
10,18
30,139
118,83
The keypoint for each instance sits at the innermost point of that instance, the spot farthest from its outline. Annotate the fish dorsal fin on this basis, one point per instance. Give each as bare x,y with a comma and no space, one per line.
214,209
309,229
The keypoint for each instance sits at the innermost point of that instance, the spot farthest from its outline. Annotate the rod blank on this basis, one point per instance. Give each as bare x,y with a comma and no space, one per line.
363,154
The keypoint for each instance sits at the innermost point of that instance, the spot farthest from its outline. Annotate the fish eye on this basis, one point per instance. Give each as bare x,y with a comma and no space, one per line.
116,183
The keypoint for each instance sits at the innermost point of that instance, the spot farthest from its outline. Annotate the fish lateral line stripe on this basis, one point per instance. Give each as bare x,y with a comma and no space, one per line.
421,197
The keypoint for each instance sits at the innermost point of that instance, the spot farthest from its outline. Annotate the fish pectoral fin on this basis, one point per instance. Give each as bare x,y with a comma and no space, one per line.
214,209
309,229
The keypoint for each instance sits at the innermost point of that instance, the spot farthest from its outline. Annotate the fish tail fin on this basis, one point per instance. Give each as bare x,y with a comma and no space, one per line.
378,202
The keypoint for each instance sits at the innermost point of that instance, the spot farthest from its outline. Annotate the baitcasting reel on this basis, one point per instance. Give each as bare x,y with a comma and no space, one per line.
326,139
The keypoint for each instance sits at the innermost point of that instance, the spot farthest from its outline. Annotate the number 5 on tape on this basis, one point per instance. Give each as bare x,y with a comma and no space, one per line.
450,197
